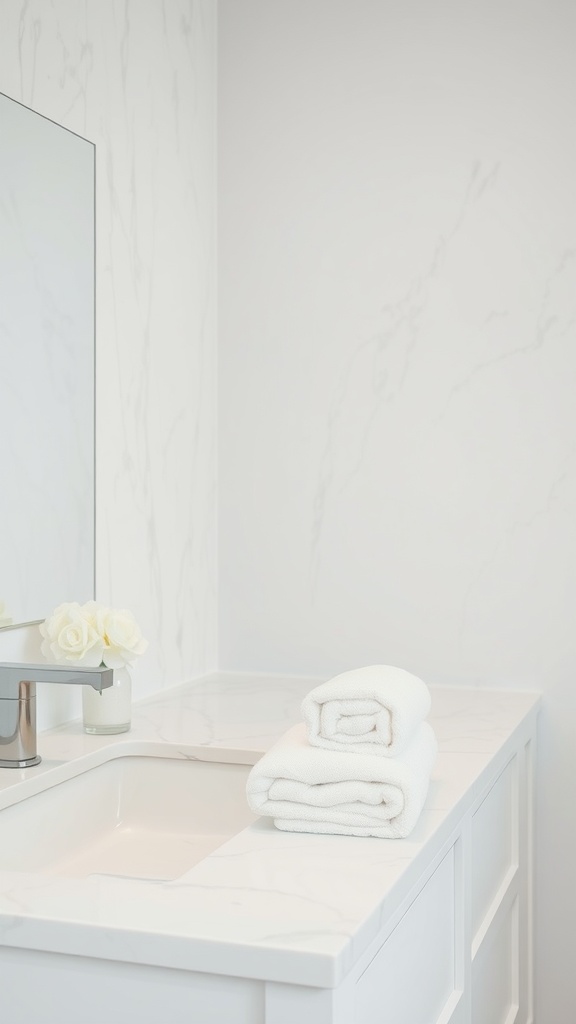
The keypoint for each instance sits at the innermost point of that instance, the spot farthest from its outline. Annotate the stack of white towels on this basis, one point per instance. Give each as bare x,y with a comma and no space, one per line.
359,764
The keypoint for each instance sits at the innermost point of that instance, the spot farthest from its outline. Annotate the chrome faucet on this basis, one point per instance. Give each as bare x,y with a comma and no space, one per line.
18,705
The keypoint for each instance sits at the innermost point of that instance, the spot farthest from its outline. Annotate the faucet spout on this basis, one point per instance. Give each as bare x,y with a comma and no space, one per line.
18,741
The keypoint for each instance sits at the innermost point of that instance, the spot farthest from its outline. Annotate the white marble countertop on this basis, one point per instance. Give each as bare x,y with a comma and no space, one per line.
279,906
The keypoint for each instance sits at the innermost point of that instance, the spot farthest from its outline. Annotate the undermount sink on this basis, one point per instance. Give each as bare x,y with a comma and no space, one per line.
135,816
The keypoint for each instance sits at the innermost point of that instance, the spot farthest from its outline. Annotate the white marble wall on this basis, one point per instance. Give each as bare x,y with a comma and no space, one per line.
398,361
137,78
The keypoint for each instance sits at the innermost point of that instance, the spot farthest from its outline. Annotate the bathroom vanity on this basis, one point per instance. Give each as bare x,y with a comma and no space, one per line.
270,927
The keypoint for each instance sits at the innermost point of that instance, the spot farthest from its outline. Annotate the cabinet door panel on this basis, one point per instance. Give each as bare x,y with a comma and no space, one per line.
495,981
412,977
494,843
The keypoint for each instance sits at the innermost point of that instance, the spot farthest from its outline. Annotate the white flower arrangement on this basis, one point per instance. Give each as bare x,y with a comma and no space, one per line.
91,635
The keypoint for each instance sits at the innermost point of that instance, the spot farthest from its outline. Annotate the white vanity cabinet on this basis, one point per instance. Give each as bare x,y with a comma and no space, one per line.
283,928
458,950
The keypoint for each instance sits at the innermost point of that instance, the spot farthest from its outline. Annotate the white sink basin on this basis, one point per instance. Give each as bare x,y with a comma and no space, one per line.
136,816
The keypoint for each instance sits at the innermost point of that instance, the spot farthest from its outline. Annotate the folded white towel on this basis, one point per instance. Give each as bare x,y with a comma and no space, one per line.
375,709
307,789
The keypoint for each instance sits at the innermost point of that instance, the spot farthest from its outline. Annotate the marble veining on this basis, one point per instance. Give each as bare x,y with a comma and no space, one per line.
383,362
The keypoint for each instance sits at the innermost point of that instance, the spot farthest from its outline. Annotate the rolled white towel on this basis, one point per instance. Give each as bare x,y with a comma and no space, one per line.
375,709
307,789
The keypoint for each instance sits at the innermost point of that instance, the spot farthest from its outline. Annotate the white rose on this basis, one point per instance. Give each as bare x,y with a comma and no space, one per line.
69,635
122,638
60,616
90,611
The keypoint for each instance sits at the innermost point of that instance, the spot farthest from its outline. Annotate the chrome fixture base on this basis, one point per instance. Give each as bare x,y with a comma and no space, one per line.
27,762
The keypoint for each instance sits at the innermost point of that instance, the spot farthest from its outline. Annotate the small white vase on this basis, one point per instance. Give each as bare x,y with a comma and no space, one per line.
110,711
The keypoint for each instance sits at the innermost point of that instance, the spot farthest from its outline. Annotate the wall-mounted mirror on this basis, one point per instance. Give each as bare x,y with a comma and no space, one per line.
46,365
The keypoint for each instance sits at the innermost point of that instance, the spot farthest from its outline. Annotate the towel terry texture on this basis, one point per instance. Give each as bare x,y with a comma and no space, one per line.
376,709
311,789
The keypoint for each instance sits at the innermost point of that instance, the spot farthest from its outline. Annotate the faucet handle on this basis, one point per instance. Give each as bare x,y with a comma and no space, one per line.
18,742
12,674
